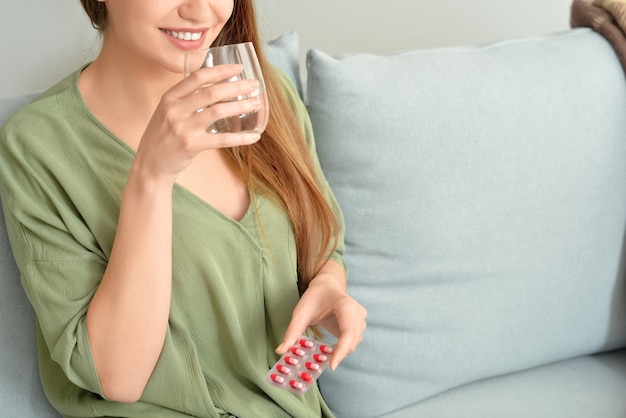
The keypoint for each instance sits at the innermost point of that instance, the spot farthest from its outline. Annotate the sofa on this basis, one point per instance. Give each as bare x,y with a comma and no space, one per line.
484,194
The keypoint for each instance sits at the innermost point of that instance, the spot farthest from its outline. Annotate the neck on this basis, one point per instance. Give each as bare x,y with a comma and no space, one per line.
132,85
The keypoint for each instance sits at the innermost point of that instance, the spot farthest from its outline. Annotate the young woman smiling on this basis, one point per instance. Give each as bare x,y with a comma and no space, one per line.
170,267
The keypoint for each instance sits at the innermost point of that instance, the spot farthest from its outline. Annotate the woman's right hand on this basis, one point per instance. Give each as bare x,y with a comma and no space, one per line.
177,132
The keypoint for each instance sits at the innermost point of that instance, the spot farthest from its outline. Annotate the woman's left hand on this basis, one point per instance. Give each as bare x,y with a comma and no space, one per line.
327,304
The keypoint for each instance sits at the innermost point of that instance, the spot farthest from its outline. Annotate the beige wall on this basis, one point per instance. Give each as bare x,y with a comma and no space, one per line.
42,40
337,26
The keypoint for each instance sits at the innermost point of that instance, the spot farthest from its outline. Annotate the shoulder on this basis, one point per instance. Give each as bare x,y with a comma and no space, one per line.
46,116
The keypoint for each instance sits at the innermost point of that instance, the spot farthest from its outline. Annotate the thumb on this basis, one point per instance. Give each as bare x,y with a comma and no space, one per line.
297,327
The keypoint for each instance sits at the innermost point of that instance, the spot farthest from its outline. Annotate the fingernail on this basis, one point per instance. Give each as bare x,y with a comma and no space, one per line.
255,102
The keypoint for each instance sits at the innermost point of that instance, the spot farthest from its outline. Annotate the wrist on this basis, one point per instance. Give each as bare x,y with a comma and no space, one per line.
142,178
332,273
328,280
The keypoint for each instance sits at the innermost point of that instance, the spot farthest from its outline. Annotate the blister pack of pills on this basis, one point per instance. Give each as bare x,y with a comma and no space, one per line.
301,365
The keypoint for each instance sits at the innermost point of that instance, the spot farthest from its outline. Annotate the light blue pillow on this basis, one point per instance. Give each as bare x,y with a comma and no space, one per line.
284,52
484,195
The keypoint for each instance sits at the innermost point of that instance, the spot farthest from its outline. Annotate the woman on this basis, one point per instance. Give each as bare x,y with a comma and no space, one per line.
169,267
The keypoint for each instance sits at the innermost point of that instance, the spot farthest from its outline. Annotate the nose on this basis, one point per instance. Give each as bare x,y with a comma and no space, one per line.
196,10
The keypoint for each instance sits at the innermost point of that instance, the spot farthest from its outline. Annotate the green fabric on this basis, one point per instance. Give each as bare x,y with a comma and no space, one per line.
62,175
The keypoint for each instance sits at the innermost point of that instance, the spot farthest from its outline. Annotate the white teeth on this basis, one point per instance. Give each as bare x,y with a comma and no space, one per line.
184,36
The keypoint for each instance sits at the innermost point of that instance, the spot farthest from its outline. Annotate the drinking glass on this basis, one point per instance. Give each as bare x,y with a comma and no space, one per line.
245,55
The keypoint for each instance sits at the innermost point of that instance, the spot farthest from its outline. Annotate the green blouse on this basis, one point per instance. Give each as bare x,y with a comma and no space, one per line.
62,174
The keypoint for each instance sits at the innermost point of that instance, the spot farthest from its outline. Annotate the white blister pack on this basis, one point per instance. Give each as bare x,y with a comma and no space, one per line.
298,369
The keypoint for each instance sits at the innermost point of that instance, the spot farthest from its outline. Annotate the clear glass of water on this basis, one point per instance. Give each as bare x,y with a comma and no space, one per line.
245,55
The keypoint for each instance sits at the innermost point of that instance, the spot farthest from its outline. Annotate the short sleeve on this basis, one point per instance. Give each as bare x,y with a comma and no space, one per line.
51,245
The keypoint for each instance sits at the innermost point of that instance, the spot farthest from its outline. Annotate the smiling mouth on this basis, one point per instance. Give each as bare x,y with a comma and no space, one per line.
183,36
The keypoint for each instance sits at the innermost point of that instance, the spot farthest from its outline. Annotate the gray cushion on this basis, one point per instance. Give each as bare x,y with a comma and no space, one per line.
583,387
483,190
284,52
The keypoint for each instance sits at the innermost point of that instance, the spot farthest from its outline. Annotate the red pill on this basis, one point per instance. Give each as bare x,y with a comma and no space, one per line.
306,343
283,369
326,349
320,358
312,366
296,385
291,360
305,376
298,352
276,378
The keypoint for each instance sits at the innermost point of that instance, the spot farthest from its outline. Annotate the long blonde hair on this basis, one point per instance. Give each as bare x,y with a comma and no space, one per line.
280,164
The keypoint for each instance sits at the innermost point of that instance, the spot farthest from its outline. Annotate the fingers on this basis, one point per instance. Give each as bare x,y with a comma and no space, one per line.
345,319
206,116
226,91
207,87
221,126
210,105
203,77
233,91
351,324
300,321
210,102
229,140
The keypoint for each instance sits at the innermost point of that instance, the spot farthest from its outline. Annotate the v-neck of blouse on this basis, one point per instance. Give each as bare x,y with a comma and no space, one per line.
132,153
